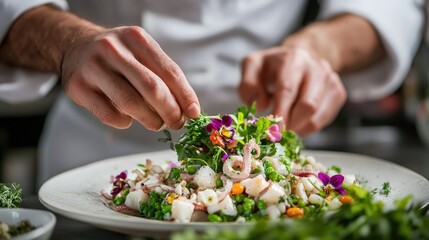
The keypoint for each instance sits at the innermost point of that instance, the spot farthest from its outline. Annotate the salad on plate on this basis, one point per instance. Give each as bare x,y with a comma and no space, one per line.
231,168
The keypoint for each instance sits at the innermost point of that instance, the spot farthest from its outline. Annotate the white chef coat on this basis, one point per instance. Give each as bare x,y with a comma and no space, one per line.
208,39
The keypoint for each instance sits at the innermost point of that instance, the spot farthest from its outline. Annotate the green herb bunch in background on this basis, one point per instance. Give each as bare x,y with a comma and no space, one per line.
10,195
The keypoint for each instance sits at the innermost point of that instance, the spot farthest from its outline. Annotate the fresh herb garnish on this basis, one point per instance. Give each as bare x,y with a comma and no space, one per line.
209,140
386,189
10,195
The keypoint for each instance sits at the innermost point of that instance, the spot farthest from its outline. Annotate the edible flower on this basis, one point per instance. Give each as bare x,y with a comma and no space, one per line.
274,133
119,183
333,183
221,132
252,119
225,156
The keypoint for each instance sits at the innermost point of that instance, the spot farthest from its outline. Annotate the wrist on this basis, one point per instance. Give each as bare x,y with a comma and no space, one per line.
316,39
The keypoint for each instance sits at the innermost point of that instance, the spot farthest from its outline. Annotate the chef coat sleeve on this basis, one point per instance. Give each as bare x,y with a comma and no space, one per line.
19,85
399,24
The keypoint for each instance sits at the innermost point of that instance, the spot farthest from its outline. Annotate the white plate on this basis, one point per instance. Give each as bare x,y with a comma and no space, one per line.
76,193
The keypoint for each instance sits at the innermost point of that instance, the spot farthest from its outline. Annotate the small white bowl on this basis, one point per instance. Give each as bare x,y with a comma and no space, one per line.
44,222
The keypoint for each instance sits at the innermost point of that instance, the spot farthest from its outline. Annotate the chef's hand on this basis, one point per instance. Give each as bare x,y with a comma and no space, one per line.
302,87
122,74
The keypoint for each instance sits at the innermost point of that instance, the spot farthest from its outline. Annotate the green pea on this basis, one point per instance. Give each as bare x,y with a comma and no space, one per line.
219,183
191,169
269,170
166,208
214,218
240,209
301,203
239,198
261,205
118,200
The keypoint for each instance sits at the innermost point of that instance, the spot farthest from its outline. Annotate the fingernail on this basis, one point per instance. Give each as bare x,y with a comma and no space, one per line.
163,127
193,110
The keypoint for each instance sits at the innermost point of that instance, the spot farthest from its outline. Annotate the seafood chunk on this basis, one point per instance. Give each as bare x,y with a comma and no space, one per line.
205,178
135,198
273,194
182,210
227,207
255,186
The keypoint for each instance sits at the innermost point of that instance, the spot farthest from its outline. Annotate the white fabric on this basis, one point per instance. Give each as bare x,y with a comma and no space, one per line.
15,85
208,39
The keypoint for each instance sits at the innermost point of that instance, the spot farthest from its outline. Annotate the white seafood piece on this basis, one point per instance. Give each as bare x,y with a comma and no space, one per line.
208,197
227,207
273,194
349,179
135,198
273,212
240,219
205,178
178,189
300,191
286,185
193,197
307,185
254,186
152,180
182,210
243,163
157,169
316,199
166,188
315,182
282,207
277,165
334,204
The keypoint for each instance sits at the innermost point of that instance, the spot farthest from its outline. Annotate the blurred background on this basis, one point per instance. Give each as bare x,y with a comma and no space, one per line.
395,128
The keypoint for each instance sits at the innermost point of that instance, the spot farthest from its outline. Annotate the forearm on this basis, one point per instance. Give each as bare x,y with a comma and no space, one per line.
348,42
39,38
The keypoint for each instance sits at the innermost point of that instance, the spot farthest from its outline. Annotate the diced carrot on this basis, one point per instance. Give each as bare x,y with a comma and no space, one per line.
295,212
237,188
346,199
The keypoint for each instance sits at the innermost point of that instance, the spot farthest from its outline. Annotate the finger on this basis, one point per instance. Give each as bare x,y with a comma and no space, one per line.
99,105
288,82
154,91
148,52
329,107
310,97
251,88
122,95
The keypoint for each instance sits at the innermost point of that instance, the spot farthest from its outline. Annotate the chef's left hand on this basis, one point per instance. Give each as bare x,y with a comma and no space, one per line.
302,87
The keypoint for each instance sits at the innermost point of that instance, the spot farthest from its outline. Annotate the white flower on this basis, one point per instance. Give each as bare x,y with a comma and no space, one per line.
208,197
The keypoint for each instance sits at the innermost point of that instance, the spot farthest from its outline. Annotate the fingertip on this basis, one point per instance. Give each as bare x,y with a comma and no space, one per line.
193,110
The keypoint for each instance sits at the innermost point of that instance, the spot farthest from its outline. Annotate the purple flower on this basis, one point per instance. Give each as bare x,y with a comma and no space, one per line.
217,123
273,133
333,183
221,132
119,183
253,120
225,156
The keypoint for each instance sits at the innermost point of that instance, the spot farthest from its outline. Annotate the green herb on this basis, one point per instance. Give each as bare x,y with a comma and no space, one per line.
336,169
10,195
386,189
175,174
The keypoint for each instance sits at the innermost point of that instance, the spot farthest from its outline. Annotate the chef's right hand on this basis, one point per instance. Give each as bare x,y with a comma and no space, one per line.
122,74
